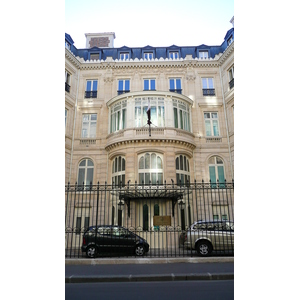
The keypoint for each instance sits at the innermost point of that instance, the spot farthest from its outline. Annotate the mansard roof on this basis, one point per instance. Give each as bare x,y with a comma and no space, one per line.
158,52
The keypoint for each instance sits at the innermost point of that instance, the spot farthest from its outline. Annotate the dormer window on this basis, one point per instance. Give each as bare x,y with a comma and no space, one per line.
230,40
174,55
124,56
148,55
67,45
203,54
94,56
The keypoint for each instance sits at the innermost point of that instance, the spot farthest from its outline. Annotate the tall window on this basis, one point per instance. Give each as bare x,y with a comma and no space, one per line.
145,217
118,116
157,111
150,168
124,56
203,54
216,171
118,171
89,125
67,81
211,124
91,89
181,115
175,85
174,54
182,170
231,77
66,116
208,87
123,86
85,172
149,84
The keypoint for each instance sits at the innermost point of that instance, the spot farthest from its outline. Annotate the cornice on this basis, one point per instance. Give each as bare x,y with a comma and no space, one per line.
71,57
226,54
144,141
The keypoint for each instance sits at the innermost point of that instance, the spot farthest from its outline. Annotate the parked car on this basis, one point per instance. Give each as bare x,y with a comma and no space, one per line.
112,238
206,236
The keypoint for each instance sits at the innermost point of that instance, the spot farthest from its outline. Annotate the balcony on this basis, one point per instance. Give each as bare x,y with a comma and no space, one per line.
123,92
178,91
208,92
67,88
90,94
231,83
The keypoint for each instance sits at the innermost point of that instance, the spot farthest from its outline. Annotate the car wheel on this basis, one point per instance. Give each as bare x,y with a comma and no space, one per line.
204,248
91,251
139,250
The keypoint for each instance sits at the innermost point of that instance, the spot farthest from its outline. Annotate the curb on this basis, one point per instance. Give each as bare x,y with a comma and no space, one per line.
112,261
148,278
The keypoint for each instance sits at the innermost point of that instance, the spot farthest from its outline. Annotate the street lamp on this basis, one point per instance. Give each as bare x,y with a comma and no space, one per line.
120,209
182,206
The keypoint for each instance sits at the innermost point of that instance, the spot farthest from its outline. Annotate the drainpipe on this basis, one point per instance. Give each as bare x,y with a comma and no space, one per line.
73,135
226,123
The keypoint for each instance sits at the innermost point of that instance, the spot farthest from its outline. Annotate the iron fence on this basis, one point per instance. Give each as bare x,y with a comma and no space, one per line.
162,214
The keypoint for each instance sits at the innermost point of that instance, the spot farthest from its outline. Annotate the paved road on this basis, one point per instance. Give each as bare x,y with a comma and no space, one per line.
208,290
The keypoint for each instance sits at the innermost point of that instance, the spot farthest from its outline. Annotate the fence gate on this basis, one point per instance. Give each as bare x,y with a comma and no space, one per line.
162,214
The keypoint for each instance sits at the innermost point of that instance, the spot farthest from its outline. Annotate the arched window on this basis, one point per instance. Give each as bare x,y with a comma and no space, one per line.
182,170
150,168
216,170
118,171
85,172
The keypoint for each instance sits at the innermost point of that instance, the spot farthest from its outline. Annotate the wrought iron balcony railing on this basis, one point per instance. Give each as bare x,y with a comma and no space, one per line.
231,83
67,88
209,92
178,91
123,92
90,94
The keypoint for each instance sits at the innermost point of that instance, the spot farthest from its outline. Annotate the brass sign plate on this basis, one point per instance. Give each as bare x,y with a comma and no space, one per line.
162,220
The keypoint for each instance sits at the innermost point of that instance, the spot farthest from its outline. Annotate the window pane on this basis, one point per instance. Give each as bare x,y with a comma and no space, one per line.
172,87
210,83
153,161
146,85
88,85
204,83
160,178
123,164
177,163
159,163
89,177
81,174
221,174
152,84
120,85
147,161
141,163
141,178
127,88
153,178
178,84
215,128
147,178
175,118
212,174
207,128
90,163
95,84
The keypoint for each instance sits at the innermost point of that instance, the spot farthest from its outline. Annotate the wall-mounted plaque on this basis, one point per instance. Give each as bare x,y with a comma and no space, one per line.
161,220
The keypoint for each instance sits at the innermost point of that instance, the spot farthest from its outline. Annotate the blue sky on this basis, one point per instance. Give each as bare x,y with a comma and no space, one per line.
156,23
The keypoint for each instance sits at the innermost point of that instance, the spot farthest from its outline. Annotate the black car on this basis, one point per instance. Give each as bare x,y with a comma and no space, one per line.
112,238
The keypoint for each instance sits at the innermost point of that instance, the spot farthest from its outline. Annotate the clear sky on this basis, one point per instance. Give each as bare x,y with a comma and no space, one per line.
156,23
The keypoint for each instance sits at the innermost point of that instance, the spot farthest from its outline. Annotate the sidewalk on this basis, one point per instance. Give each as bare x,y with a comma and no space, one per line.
148,269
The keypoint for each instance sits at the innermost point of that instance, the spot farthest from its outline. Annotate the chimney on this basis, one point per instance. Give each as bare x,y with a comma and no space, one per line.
100,40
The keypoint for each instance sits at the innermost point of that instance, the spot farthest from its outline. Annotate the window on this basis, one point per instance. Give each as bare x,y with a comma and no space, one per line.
78,224
123,86
91,89
230,40
94,56
174,55
203,54
216,171
85,172
208,87
150,168
181,115
67,81
157,111
148,55
118,116
220,212
89,124
211,124
175,85
67,45
124,56
145,218
118,171
66,116
231,77
149,84
182,170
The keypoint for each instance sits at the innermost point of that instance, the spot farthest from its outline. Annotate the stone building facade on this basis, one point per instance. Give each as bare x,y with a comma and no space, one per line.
189,91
